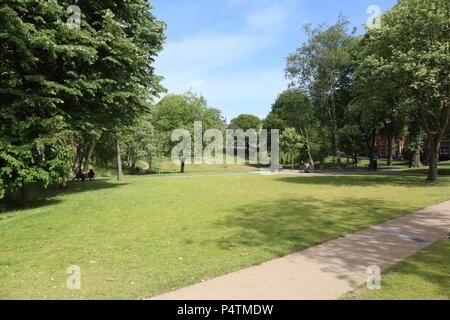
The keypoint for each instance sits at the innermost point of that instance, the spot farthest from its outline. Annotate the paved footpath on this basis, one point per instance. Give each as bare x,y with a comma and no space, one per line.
329,270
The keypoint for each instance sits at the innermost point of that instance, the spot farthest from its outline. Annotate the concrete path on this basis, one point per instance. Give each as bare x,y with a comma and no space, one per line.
329,270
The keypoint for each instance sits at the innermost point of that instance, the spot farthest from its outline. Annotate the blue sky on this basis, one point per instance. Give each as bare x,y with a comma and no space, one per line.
234,51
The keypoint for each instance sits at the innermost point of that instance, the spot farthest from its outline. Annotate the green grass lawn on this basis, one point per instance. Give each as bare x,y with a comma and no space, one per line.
167,167
443,169
146,236
423,276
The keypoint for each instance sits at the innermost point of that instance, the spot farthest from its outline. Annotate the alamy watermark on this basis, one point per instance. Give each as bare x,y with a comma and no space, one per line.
74,280
74,21
215,147
374,21
374,281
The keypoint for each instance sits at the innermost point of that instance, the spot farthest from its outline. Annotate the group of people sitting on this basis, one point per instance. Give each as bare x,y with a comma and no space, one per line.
81,175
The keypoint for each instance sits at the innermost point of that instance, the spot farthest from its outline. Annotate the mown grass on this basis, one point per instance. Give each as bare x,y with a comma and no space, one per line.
167,167
423,276
146,236
443,169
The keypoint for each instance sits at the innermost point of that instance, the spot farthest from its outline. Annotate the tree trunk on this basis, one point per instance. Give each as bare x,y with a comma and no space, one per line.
63,184
435,144
308,145
119,160
292,161
426,151
433,159
391,143
415,160
371,147
182,166
87,159
23,192
335,130
371,162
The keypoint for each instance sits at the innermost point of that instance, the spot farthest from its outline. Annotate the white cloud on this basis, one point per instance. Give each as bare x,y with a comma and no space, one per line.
268,19
214,63
206,51
234,92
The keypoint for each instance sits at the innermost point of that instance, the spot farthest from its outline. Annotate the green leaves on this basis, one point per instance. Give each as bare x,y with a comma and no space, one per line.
180,112
245,122
57,82
408,59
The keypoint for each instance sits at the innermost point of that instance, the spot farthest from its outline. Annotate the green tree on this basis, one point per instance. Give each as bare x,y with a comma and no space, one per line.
291,144
295,110
321,67
246,122
39,57
180,112
352,141
32,149
370,118
94,79
129,39
411,50
141,144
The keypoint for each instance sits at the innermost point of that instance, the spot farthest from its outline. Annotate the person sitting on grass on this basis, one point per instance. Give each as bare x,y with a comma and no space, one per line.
91,175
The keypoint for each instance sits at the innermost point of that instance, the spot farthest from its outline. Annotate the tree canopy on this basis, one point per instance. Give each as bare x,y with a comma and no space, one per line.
59,83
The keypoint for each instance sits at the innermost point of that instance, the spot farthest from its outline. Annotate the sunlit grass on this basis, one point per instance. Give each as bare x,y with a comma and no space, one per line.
423,276
146,236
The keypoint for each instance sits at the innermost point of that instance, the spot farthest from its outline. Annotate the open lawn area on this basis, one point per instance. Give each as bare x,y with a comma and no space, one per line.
423,276
141,237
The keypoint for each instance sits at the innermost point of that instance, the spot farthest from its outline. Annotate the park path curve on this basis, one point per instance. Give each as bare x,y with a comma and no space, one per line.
329,270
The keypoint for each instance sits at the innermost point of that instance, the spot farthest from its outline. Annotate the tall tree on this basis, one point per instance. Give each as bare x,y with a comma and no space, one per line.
321,67
97,76
411,49
129,39
39,58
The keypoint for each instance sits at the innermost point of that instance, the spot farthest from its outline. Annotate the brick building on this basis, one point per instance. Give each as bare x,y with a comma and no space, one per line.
400,145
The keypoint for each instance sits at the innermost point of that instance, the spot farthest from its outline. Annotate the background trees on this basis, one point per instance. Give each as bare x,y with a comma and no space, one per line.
411,50
392,79
180,111
321,67
245,122
291,144
293,109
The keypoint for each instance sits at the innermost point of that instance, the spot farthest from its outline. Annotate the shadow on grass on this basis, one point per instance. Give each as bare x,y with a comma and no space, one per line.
360,180
291,225
38,196
299,223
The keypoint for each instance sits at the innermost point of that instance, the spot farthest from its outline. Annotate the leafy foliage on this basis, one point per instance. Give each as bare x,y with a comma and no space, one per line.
246,122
